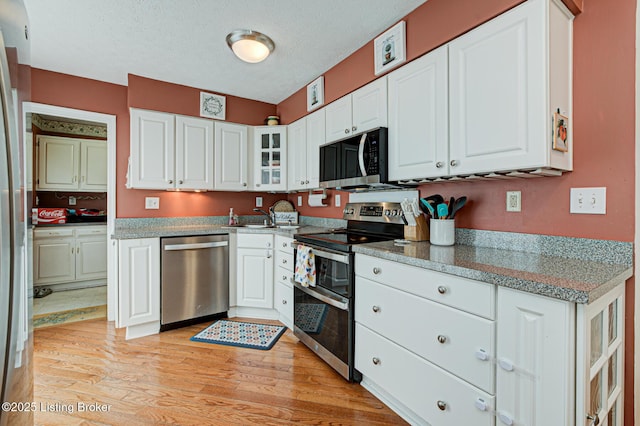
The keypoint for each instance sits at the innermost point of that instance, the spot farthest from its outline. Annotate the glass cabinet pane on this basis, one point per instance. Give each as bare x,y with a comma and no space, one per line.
613,320
276,159
612,417
265,141
275,177
265,159
596,393
612,374
596,338
265,177
276,140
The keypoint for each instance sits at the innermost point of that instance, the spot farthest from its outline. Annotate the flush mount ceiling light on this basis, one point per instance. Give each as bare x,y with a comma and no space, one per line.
250,46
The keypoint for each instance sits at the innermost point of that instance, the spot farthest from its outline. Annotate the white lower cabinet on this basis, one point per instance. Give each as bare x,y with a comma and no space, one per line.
139,285
283,278
255,271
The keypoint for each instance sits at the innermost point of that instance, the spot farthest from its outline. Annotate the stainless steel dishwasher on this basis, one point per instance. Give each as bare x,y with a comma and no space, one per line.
194,279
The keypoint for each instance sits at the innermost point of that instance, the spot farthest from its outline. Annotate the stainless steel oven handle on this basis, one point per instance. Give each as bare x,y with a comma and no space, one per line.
338,257
363,169
320,294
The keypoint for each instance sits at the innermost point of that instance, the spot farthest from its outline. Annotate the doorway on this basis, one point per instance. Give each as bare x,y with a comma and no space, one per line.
95,203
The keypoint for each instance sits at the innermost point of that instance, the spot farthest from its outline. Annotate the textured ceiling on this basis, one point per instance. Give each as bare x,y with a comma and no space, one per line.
183,41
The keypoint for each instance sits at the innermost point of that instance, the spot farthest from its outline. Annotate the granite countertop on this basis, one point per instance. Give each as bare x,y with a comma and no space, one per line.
570,279
151,231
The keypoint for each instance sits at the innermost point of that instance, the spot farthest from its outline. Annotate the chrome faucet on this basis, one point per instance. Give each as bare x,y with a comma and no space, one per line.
271,219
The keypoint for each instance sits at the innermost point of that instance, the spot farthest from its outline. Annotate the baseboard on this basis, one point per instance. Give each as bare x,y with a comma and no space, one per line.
247,312
73,285
142,330
398,407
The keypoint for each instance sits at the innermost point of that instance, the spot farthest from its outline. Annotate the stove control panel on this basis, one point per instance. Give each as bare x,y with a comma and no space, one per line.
374,212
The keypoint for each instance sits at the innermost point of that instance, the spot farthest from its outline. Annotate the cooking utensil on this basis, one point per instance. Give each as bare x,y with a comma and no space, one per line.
451,201
443,211
428,208
416,207
457,205
407,211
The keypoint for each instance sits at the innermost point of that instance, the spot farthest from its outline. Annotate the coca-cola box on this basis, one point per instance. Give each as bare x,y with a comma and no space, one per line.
48,215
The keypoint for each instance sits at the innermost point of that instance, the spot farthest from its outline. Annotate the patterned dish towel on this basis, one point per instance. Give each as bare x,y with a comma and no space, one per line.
305,267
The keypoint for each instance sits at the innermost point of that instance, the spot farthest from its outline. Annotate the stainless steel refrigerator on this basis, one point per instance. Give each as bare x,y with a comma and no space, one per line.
16,349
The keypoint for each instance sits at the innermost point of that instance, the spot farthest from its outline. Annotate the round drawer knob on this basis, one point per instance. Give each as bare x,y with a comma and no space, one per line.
442,405
284,260
306,181
442,289
301,182
442,339
354,128
439,164
376,360
453,163
346,131
284,302
180,182
284,244
376,308
284,278
377,270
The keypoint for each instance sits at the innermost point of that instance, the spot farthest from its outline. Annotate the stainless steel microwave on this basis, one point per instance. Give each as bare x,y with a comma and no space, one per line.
359,161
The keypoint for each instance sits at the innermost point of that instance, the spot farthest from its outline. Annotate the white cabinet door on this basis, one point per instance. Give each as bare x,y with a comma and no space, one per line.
497,93
369,106
93,166
194,153
152,150
54,260
139,281
338,119
230,157
255,277
270,158
59,163
297,155
283,301
315,137
91,257
418,118
535,382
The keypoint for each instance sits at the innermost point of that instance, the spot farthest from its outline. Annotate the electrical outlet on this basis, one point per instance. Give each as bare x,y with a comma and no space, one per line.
514,201
337,198
72,200
258,201
588,200
151,203
299,200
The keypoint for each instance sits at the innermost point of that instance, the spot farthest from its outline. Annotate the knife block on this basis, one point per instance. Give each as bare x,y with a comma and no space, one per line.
420,232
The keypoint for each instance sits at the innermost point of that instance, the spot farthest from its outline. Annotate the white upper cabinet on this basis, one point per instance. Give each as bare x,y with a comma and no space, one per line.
71,164
270,158
418,119
357,112
305,137
507,79
170,152
231,151
194,153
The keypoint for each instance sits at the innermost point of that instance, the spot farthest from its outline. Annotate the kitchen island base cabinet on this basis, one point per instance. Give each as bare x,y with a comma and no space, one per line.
139,286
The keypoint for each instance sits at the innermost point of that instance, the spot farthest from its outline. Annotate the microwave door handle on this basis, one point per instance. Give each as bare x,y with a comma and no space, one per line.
363,169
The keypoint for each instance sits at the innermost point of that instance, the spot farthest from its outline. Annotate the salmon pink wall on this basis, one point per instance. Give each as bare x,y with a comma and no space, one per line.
603,126
91,95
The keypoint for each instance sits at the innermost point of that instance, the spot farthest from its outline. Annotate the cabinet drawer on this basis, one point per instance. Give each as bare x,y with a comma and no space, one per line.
91,230
284,276
283,301
472,296
433,394
53,232
283,244
284,260
445,336
255,240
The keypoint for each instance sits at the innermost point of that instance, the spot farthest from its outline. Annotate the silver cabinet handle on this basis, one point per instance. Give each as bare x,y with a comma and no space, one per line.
301,182
268,253
439,164
442,339
284,302
346,131
376,360
442,289
377,270
244,184
180,182
71,250
306,181
442,405
375,308
170,182
284,261
595,419
354,128
453,163
284,278
284,245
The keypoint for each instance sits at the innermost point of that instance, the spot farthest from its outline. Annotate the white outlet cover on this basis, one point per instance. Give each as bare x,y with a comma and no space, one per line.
588,200
514,201
337,198
258,201
299,200
152,203
72,200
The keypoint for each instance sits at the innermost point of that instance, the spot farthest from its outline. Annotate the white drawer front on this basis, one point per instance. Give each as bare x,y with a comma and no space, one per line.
91,230
284,276
448,337
472,296
284,260
255,240
283,302
284,244
433,394
53,232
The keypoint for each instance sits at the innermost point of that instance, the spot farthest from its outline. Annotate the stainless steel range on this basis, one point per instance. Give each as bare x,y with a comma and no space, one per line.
324,314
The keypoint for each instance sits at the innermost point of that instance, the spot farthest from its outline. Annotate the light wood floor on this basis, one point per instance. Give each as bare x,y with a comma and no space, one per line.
168,380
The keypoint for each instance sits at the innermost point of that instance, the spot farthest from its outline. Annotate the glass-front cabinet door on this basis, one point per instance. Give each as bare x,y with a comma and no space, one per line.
270,158
599,372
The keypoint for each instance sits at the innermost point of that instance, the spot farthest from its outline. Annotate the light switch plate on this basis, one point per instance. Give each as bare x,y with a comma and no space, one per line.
299,200
152,203
337,198
258,201
588,200
72,200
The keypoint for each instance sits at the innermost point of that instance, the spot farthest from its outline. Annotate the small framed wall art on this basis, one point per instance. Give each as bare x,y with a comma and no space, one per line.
315,94
212,106
560,132
389,48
